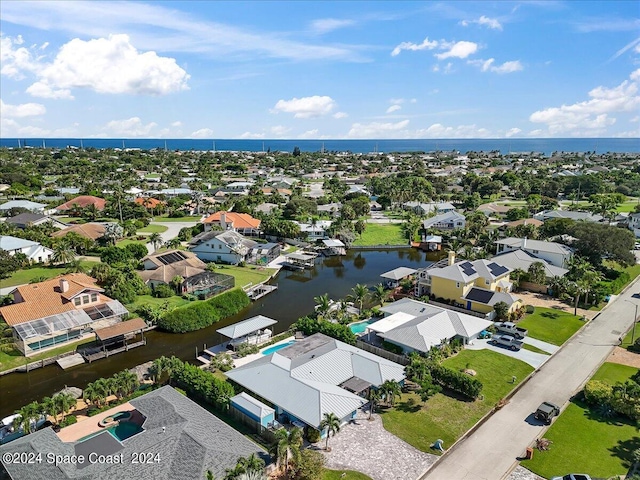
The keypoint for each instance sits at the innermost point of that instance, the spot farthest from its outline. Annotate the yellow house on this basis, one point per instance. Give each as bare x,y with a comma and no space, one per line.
475,286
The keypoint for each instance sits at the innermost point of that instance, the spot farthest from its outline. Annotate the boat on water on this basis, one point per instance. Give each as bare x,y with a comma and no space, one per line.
9,431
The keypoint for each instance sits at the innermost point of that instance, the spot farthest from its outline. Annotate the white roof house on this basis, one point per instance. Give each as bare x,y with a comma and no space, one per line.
33,250
29,205
305,380
445,221
555,253
523,260
245,327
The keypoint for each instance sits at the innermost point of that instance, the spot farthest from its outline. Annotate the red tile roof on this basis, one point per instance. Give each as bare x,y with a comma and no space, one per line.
83,201
237,220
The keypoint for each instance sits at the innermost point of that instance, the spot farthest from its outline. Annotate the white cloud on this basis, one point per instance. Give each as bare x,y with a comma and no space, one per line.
309,134
393,108
591,116
326,25
396,101
491,23
339,115
376,129
506,67
306,107
201,133
21,110
460,49
437,130
280,130
251,135
130,127
513,132
177,123
14,59
11,128
425,45
413,100
44,90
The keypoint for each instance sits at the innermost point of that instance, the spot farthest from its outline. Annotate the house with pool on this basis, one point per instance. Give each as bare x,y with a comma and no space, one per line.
160,435
311,377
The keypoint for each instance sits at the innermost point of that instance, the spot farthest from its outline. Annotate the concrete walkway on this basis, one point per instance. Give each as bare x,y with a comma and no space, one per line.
368,448
532,358
544,346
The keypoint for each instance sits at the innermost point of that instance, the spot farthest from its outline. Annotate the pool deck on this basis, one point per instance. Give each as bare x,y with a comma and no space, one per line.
238,362
89,425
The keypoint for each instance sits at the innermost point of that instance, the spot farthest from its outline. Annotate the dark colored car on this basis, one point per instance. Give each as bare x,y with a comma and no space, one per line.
546,411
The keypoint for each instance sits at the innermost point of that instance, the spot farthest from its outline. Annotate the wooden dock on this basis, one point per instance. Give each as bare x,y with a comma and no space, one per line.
259,291
70,361
90,357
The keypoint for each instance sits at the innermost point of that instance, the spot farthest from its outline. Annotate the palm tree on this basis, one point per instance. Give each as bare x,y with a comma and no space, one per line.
27,414
359,295
112,233
252,463
63,254
536,273
76,266
47,407
374,398
323,305
173,243
64,402
176,283
331,422
287,447
379,294
91,394
155,239
390,390
125,382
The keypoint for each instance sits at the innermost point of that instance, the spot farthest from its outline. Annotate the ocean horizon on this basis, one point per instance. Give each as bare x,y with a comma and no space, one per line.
503,145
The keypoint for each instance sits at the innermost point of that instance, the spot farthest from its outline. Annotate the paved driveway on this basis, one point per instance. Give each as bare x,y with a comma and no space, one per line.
544,346
532,358
368,448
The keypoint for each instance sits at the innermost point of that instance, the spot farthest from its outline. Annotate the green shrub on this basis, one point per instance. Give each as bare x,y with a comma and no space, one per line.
201,384
313,435
457,381
335,330
163,291
204,314
68,420
597,393
530,309
245,349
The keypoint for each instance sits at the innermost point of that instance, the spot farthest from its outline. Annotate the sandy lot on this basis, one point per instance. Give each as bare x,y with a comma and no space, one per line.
624,357
540,300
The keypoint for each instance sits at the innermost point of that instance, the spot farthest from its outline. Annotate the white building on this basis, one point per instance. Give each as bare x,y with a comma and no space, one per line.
35,252
317,231
222,247
555,253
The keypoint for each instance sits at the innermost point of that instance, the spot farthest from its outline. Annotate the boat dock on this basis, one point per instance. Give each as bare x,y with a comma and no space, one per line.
299,261
70,361
254,292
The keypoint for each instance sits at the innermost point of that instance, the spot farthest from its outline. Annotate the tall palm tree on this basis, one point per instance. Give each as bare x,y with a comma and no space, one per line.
155,239
379,294
126,382
374,398
252,463
323,305
63,254
64,402
331,422
47,407
91,394
390,390
287,447
27,414
359,294
173,243
76,266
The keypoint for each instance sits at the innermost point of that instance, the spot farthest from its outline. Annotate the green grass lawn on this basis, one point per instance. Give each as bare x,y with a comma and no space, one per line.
14,358
531,348
246,275
633,271
151,228
338,475
193,219
443,416
69,219
585,442
25,275
174,301
550,325
381,234
627,340
628,206
127,241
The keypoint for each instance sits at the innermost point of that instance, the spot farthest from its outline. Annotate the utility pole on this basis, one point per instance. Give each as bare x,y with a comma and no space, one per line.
635,319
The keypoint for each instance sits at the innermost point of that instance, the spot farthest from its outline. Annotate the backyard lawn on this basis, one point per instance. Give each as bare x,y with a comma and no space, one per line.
584,441
343,475
193,219
246,275
447,417
550,325
151,228
174,302
25,275
127,241
381,234
14,358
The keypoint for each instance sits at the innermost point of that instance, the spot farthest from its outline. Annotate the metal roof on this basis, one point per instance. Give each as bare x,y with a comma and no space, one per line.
398,273
333,243
252,405
245,327
390,322
29,205
121,328
523,260
9,243
542,246
300,256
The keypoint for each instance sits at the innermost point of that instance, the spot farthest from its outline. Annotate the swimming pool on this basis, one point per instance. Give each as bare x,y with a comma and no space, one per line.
275,348
120,432
360,327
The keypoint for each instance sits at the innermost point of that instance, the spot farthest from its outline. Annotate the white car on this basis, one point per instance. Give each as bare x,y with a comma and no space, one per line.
573,476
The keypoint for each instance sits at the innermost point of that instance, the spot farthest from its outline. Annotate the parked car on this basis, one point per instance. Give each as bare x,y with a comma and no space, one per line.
506,341
573,476
511,329
545,413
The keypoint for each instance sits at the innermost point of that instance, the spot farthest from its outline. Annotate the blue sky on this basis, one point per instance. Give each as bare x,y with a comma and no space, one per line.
320,69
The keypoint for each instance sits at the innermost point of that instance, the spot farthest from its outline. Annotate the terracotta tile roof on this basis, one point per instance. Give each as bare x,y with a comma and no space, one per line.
92,231
166,273
84,201
148,202
237,220
525,221
122,328
190,259
43,299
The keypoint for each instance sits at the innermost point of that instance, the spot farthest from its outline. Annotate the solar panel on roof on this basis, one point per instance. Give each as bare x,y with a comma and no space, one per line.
467,268
479,295
172,257
497,270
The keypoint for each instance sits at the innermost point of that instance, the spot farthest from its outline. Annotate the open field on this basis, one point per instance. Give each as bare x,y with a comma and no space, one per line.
447,417
25,275
550,325
381,234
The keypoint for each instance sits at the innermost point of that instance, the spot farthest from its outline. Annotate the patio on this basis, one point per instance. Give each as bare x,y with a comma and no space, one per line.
365,446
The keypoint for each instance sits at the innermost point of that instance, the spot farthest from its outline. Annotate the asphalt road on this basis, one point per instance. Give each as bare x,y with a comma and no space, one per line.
491,452
173,229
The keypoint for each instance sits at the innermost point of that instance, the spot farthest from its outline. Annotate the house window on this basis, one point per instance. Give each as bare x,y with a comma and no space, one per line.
457,284
487,282
94,297
536,251
220,247
77,301
85,299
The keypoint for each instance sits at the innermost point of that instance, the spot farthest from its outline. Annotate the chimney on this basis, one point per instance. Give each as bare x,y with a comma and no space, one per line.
524,243
223,221
452,258
64,285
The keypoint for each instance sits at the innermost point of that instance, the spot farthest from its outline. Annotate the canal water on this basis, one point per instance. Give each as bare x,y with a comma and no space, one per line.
335,276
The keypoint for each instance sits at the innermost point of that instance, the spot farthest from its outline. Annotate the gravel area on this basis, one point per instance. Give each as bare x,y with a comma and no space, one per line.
521,473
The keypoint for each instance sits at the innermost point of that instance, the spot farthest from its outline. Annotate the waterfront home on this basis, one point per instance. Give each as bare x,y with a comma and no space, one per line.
570,214
315,376
393,277
25,220
555,253
91,231
417,326
76,204
264,253
222,247
35,252
420,208
59,311
243,223
476,285
521,259
164,435
315,231
634,224
26,204
444,221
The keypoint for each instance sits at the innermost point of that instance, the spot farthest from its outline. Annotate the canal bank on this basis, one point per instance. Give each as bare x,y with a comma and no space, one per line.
335,276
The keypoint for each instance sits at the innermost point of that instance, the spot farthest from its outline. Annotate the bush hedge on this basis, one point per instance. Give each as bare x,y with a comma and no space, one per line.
457,381
201,384
204,314
335,330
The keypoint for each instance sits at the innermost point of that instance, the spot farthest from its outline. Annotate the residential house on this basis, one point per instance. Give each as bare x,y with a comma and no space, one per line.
570,214
173,438
421,208
634,224
359,189
555,253
253,408
92,231
25,220
315,231
494,210
266,207
243,223
149,203
417,326
332,209
444,221
162,268
315,376
83,201
222,247
239,188
26,204
35,252
522,260
524,221
476,285
59,311
264,253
